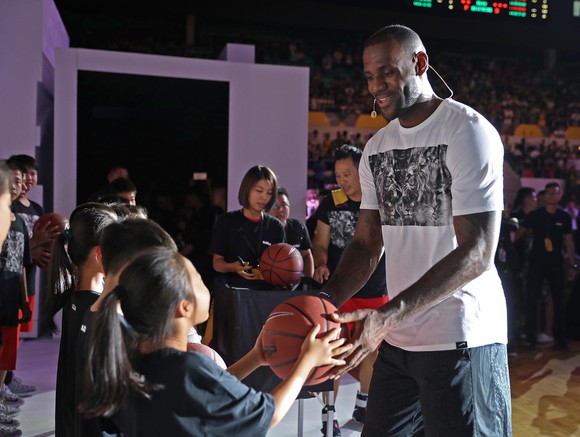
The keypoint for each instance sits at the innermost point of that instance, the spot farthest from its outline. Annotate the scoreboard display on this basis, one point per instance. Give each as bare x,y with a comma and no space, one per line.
520,9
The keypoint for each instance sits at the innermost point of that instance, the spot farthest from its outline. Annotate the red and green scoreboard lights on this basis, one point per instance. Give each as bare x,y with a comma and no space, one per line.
526,9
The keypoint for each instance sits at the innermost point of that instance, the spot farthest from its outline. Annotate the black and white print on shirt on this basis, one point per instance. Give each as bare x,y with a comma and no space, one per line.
12,255
29,221
413,186
342,227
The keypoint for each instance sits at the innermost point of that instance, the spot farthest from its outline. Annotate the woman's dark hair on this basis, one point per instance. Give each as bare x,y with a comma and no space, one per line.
251,178
71,250
149,290
123,240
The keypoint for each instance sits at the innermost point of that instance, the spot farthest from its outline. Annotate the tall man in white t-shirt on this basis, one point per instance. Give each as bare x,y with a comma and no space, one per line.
432,183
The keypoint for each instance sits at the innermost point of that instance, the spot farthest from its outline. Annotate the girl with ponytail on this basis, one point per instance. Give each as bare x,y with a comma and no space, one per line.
75,282
152,386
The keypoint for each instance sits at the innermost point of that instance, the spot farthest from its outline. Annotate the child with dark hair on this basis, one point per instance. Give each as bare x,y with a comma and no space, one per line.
40,236
154,387
240,237
120,243
15,258
75,281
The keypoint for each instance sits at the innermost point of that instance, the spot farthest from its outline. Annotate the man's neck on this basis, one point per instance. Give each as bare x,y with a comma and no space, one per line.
356,197
552,208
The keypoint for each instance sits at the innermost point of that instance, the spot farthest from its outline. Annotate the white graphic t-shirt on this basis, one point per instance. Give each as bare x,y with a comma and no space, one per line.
419,178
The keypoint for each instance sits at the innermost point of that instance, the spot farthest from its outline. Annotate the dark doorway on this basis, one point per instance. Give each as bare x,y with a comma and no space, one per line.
161,129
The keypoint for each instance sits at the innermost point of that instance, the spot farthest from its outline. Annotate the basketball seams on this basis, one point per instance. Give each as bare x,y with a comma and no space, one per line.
282,265
307,316
283,334
325,313
285,363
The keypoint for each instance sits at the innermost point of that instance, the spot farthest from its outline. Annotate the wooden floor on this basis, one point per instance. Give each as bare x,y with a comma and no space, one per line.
545,388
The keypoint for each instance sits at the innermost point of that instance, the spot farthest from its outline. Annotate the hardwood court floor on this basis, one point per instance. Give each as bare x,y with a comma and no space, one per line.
545,388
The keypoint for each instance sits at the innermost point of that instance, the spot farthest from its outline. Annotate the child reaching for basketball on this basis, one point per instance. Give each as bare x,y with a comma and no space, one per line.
165,390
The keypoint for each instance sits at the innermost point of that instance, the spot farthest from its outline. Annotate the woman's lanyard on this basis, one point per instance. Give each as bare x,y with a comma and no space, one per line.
256,250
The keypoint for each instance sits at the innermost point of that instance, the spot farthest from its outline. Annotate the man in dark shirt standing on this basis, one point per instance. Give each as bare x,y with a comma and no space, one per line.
551,229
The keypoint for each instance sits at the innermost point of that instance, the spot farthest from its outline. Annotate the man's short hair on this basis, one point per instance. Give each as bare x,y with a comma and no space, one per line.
405,36
347,151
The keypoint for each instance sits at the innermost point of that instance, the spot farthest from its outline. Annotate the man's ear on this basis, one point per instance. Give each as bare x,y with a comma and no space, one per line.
421,63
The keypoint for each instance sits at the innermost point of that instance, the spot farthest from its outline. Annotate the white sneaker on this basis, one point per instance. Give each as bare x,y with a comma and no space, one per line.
7,395
21,389
544,338
8,409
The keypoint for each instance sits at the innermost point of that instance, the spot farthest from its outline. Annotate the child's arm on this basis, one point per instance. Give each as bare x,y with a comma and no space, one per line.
315,352
24,307
249,362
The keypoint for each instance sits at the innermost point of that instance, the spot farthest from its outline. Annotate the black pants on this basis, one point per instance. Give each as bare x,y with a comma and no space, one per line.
553,273
451,393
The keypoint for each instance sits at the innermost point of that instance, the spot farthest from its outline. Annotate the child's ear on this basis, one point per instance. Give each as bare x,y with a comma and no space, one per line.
184,309
99,254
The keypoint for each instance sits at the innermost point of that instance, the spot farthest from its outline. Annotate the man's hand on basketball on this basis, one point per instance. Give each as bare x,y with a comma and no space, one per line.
369,332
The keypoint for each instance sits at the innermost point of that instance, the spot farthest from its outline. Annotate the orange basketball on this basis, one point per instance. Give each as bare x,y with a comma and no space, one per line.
52,218
55,219
287,327
281,265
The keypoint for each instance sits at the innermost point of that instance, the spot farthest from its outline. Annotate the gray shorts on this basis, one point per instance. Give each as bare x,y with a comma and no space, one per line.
463,392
